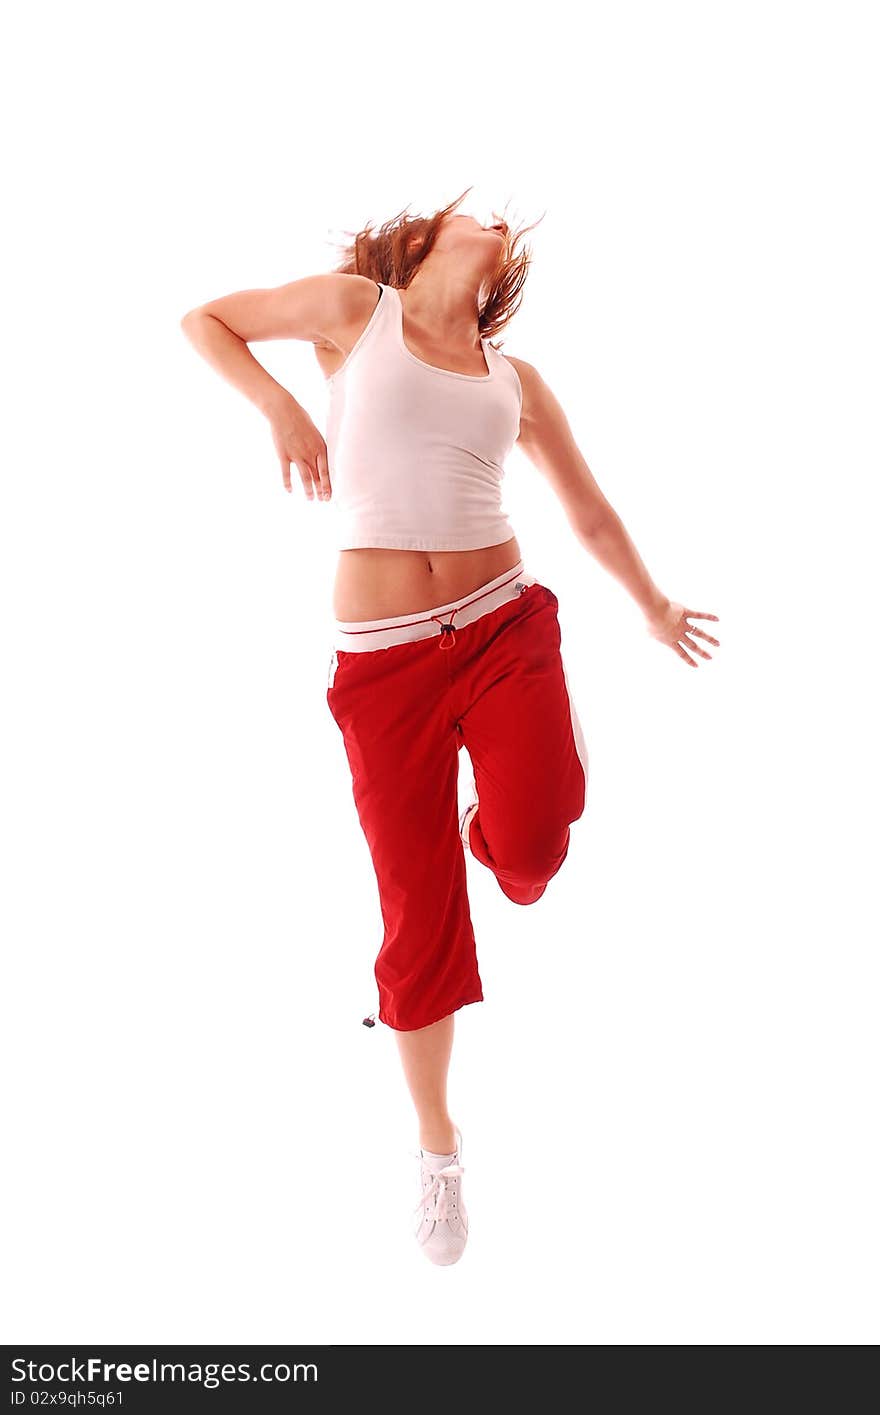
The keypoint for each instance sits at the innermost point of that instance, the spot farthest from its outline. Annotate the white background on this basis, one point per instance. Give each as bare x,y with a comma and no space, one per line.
668,1098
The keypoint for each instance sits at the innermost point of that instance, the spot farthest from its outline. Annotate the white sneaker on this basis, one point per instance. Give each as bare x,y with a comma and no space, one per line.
464,824
442,1226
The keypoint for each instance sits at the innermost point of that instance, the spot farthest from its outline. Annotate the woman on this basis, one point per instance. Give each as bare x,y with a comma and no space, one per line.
443,638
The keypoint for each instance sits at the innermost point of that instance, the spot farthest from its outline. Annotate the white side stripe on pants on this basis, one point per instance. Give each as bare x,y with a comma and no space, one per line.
579,742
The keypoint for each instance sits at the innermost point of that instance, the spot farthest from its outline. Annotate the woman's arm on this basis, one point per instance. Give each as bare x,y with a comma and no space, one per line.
324,310
546,438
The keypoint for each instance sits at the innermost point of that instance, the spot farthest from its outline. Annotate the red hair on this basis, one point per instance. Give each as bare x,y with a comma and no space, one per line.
393,252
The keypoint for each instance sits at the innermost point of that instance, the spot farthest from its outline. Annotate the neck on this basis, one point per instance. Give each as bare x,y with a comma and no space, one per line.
444,297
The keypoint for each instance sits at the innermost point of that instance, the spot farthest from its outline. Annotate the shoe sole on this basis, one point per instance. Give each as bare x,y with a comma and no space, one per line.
464,824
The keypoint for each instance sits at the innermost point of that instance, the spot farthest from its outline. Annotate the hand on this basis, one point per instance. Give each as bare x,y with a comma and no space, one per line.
298,441
670,626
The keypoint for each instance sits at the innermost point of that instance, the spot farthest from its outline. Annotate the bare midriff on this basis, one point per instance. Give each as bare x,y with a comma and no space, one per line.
382,584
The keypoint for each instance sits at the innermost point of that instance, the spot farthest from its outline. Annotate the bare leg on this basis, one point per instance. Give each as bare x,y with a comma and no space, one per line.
425,1055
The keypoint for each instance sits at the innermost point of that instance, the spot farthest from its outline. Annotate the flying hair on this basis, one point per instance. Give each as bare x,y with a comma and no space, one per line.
392,252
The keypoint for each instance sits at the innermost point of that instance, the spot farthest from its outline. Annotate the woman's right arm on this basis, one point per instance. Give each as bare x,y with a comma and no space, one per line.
321,309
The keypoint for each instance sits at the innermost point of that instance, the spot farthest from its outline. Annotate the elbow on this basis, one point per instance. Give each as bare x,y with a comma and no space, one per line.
197,315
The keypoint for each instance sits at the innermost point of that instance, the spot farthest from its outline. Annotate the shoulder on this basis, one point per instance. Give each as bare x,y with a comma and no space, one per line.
542,415
352,301
527,374
535,390
530,382
347,300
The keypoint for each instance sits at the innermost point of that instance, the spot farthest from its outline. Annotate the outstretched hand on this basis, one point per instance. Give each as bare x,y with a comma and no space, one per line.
670,626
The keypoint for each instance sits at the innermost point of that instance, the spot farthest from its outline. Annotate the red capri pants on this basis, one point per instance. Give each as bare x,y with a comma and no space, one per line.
484,672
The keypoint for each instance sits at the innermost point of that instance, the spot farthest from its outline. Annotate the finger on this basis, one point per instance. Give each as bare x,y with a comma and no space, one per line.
696,647
686,656
285,473
698,614
305,473
315,479
323,474
692,629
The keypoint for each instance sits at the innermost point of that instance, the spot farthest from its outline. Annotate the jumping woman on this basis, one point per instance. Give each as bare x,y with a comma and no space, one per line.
442,637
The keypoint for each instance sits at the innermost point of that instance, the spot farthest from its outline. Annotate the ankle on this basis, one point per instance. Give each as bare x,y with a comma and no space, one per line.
438,1136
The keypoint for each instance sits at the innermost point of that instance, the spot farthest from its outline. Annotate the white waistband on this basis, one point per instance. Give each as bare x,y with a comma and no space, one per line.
360,635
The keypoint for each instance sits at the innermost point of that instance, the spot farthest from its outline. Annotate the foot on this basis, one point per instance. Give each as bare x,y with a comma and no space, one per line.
442,1225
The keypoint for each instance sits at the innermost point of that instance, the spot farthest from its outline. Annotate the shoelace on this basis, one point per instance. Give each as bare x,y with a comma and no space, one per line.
440,1187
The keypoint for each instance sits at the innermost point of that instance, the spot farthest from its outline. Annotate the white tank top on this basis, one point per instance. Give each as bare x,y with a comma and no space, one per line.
416,453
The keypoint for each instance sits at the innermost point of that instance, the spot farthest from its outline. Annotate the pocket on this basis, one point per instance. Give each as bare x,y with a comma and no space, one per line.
331,672
338,659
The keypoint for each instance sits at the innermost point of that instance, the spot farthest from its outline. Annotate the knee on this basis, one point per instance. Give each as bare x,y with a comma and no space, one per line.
534,859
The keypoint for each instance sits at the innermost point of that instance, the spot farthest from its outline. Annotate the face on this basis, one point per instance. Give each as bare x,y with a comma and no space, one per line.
460,232
481,246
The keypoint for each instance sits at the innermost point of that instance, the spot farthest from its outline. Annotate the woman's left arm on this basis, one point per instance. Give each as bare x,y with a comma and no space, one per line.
546,438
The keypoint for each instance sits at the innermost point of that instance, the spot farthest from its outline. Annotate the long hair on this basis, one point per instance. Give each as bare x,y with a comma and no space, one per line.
392,253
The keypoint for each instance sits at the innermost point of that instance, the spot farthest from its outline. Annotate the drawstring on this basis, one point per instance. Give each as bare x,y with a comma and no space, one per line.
447,631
